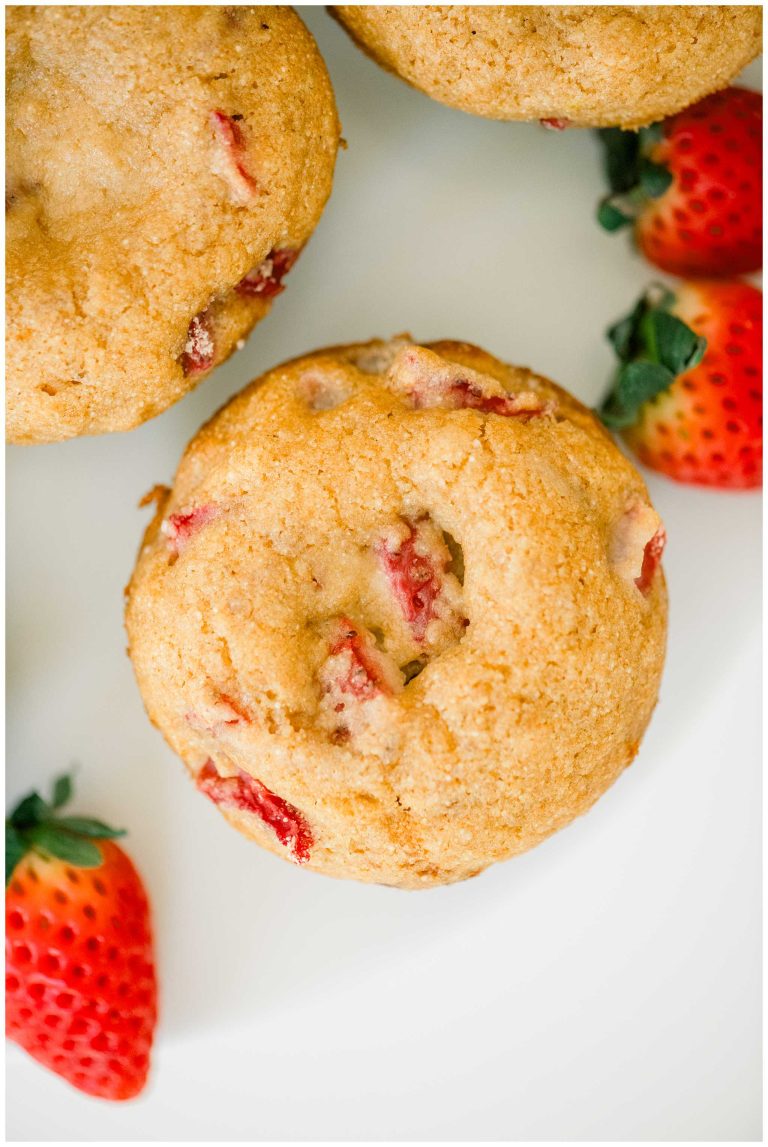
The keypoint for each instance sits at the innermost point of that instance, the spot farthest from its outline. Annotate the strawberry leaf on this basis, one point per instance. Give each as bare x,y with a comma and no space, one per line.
654,178
650,136
62,790
15,849
610,217
622,335
89,827
621,152
654,347
676,346
56,841
636,384
30,811
633,177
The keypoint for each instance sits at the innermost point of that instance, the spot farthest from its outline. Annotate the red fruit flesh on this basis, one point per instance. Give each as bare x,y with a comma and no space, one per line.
467,395
81,993
555,123
707,429
200,349
709,222
652,555
266,280
230,706
416,582
224,713
246,793
227,132
363,678
179,528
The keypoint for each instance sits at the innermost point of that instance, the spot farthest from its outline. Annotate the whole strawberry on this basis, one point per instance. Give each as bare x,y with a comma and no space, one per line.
80,992
692,185
687,397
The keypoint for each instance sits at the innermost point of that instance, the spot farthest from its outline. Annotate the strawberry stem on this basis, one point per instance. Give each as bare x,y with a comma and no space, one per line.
654,347
633,176
33,826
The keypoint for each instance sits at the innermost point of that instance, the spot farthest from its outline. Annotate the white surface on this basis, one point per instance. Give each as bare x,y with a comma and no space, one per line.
604,986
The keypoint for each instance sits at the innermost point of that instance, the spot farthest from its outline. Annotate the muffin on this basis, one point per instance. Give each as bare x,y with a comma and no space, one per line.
401,613
614,65
165,168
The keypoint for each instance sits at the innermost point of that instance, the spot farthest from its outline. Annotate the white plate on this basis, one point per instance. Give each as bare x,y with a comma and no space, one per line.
604,986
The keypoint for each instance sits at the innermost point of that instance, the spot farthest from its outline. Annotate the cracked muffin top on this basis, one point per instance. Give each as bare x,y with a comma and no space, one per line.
165,167
401,613
614,65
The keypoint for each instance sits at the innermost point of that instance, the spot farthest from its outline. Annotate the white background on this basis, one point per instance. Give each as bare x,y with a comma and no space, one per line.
604,986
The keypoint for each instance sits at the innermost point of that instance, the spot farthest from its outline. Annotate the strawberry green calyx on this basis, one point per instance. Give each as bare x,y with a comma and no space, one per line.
35,826
654,347
632,175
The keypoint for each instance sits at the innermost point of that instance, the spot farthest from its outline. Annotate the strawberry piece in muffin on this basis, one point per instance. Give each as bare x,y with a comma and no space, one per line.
651,561
428,382
353,677
179,528
416,560
200,349
231,164
637,545
266,280
222,712
355,666
245,793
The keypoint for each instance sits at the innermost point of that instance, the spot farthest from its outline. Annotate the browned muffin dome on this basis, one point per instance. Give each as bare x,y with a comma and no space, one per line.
165,168
401,614
615,65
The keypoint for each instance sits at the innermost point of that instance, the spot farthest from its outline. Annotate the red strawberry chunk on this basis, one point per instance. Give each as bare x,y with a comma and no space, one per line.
429,382
179,528
229,135
244,792
237,715
224,713
468,395
415,580
266,280
555,123
636,545
360,669
353,678
200,349
651,561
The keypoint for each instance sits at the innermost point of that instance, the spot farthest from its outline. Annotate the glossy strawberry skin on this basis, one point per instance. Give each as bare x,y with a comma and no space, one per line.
707,428
709,222
81,993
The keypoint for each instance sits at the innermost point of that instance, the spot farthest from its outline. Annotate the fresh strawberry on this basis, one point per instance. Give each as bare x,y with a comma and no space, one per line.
692,185
80,990
688,394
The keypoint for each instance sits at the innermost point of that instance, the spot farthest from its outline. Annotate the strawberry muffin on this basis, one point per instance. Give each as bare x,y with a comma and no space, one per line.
165,168
402,613
614,65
